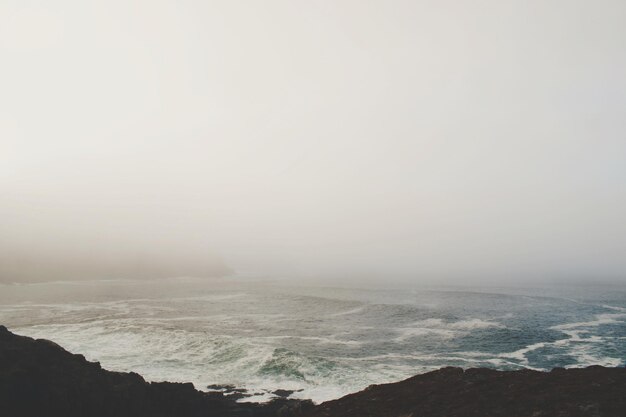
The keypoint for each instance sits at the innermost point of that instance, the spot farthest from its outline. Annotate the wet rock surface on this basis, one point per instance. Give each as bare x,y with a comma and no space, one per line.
40,378
284,393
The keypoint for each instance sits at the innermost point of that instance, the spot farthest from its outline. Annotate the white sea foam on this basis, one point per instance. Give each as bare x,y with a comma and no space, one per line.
440,328
600,320
348,312
469,324
614,308
520,354
327,347
580,348
406,333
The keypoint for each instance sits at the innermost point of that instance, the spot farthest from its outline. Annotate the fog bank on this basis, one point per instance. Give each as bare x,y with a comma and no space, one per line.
444,141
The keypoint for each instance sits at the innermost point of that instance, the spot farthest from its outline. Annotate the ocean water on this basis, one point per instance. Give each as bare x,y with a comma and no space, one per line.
324,341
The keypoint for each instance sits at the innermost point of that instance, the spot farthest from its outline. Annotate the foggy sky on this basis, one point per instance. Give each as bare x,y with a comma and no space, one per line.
429,140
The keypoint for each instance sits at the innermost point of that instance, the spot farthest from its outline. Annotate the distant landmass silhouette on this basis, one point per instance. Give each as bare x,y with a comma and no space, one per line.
38,267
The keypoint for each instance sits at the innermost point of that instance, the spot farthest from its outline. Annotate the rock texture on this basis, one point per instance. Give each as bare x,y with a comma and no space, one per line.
452,392
39,378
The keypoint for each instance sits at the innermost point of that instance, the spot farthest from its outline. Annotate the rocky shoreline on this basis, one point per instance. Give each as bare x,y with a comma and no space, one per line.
39,378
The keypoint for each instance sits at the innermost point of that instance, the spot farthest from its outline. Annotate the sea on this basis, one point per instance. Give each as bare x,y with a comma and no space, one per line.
321,341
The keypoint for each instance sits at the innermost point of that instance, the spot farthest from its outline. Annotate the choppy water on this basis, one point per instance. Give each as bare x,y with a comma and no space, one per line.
326,341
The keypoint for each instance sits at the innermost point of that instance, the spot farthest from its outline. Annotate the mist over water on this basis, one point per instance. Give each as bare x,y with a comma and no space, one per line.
315,195
430,140
325,341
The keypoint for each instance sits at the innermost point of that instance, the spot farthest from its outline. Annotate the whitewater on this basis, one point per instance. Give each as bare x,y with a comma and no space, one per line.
320,341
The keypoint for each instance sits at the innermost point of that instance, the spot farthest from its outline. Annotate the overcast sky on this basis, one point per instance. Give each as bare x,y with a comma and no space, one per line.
423,139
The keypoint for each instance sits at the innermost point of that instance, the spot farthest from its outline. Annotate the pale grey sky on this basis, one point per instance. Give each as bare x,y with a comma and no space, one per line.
424,139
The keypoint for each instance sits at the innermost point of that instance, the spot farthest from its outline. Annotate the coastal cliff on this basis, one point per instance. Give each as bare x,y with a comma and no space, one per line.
40,378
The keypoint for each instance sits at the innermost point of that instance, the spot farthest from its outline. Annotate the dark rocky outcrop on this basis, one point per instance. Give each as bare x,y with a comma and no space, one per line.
453,392
39,378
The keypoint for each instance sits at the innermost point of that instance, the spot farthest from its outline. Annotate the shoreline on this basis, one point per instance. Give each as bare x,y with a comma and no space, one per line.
39,377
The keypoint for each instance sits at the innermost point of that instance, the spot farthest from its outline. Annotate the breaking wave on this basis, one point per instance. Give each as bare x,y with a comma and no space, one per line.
262,338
